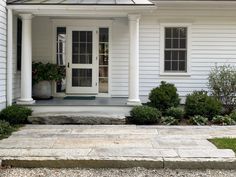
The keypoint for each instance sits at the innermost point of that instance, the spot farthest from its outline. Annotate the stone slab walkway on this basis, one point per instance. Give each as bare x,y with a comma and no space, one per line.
117,146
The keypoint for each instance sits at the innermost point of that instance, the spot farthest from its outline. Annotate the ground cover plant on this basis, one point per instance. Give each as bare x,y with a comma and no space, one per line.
12,118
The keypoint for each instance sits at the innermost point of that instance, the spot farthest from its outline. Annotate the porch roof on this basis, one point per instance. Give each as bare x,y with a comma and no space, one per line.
79,2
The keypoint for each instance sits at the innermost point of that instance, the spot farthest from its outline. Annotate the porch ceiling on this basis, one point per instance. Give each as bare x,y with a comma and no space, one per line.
79,2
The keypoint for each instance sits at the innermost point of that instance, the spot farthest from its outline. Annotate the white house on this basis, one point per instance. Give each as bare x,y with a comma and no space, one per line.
114,48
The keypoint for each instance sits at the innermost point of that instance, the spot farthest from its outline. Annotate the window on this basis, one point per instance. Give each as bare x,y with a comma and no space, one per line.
19,40
175,49
61,56
175,55
103,59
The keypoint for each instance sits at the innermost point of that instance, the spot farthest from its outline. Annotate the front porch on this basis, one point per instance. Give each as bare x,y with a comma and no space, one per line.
92,63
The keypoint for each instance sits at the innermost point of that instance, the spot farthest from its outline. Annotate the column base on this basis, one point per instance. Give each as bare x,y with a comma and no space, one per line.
134,102
24,101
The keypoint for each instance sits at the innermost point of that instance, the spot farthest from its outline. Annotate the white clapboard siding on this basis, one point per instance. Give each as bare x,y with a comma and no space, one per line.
2,54
120,57
213,42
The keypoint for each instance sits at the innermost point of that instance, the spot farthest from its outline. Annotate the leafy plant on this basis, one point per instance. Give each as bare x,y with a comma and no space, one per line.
222,83
49,72
15,114
145,115
233,115
199,103
169,120
199,120
223,120
5,128
164,96
177,113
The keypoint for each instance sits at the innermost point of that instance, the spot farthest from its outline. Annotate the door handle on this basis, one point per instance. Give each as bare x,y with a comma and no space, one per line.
68,65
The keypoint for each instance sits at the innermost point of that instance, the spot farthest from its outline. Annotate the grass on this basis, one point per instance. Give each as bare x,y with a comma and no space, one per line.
8,133
224,143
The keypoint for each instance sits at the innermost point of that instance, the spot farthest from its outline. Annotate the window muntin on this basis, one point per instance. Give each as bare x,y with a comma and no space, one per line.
175,49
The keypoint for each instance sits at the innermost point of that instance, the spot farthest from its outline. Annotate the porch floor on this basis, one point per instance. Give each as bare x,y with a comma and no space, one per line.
98,101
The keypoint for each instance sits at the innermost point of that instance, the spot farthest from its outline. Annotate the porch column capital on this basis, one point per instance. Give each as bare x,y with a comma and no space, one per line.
26,16
134,17
134,59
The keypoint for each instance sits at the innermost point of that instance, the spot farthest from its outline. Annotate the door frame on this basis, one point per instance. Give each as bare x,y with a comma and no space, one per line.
103,23
82,90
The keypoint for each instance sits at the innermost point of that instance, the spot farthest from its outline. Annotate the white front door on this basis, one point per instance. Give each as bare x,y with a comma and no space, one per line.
82,61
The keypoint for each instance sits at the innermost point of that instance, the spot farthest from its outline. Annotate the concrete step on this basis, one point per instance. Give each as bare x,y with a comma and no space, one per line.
90,118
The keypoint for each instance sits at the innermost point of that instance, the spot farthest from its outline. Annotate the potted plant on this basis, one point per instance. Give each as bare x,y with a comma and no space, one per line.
42,77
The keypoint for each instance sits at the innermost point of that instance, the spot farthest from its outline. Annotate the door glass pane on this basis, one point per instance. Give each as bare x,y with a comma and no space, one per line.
81,77
103,85
103,59
82,47
61,56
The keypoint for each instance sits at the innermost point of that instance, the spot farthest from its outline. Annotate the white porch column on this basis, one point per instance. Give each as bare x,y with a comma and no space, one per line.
9,55
26,60
134,60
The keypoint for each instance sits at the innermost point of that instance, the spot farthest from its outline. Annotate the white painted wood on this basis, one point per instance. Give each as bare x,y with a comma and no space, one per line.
3,55
213,42
9,56
26,63
133,97
82,90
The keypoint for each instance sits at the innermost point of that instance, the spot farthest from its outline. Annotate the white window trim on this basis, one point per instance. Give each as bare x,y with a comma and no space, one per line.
162,48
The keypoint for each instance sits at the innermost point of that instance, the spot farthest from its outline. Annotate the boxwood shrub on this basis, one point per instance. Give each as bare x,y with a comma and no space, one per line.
199,103
177,113
144,115
15,114
164,96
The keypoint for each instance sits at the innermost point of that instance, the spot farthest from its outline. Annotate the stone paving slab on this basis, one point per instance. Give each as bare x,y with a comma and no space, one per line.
117,146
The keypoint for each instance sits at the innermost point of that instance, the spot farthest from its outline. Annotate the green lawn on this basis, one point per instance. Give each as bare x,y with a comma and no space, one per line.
224,143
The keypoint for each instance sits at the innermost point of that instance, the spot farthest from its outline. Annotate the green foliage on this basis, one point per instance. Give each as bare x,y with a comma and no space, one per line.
5,129
177,113
169,120
222,83
199,120
164,96
233,115
223,120
199,103
144,115
49,72
15,114
224,143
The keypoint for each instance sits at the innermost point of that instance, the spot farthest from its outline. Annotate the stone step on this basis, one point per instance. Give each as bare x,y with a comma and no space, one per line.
90,118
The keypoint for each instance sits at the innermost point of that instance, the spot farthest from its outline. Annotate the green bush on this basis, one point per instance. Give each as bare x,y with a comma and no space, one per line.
199,103
15,114
164,96
199,120
223,120
177,113
168,120
5,128
233,115
144,115
222,83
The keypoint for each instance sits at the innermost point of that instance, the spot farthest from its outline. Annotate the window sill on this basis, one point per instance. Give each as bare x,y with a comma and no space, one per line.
176,74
